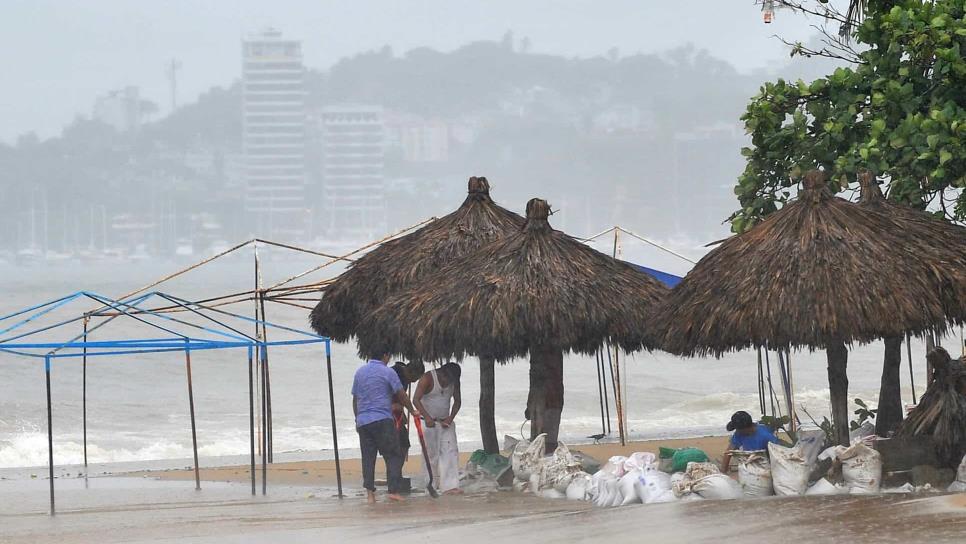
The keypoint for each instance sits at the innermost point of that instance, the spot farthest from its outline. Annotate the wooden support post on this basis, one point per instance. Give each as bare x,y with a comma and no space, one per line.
838,380
491,443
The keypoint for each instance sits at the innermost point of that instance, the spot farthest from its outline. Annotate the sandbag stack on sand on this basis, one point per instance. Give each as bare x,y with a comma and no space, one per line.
789,470
754,475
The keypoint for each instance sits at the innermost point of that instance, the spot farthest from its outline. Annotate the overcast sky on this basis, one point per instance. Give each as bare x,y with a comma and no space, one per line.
60,54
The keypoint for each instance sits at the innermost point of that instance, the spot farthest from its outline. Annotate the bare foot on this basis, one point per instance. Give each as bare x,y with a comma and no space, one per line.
395,497
456,491
370,497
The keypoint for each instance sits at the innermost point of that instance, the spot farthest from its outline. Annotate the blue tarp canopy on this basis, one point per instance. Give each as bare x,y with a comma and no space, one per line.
669,280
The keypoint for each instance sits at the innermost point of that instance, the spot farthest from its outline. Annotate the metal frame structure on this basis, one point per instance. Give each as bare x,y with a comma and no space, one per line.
19,336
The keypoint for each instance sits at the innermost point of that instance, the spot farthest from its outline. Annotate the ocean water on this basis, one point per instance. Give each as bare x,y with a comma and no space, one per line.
138,405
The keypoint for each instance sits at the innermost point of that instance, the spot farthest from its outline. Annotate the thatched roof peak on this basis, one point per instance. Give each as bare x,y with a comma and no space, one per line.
478,186
869,190
400,262
538,214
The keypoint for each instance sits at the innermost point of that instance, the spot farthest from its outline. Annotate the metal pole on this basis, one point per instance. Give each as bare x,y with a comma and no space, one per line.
50,436
600,393
335,431
268,383
84,395
191,408
604,380
761,384
264,434
251,412
615,383
912,376
792,413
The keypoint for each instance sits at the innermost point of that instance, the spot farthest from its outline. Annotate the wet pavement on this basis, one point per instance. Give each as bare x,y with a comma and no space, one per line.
112,510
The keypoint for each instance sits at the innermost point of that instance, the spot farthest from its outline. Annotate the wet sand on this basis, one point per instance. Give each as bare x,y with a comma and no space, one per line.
146,510
323,472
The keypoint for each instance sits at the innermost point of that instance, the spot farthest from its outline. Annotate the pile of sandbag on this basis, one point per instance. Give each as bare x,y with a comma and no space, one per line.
861,467
705,481
754,475
959,486
789,469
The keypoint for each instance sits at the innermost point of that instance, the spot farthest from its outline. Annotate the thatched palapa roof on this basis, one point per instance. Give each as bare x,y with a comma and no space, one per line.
820,270
537,287
400,262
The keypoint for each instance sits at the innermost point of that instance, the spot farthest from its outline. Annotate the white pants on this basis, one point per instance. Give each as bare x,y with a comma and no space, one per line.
444,456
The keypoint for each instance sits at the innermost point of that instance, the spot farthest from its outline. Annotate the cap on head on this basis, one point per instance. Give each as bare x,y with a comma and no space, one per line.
740,420
416,368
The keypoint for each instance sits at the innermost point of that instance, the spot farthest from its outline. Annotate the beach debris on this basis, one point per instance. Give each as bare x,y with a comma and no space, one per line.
754,475
861,468
941,412
789,470
959,486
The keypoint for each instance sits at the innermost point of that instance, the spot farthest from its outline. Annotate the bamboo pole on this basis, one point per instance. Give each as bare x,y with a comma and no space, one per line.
600,393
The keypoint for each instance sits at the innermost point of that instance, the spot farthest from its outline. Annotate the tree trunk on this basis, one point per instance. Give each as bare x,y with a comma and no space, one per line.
491,443
546,399
838,382
889,416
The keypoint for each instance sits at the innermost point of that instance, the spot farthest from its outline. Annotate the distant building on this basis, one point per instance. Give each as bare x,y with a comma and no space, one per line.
353,154
273,103
121,109
418,139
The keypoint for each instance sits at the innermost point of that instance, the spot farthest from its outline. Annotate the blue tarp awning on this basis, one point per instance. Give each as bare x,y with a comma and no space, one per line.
669,280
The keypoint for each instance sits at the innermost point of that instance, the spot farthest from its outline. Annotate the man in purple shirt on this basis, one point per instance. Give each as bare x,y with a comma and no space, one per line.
374,387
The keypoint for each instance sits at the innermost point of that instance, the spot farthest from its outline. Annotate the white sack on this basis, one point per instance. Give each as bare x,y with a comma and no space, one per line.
862,469
655,485
754,475
638,461
789,472
825,487
615,465
579,488
811,443
628,488
717,487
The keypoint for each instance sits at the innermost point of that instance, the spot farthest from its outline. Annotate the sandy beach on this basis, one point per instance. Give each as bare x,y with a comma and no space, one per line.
322,473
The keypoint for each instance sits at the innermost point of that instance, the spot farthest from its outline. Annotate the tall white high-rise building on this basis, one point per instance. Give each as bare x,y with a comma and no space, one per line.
273,102
353,141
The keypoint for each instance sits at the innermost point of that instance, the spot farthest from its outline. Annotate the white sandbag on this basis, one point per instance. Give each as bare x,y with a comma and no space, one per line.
680,484
534,483
717,487
862,469
754,476
811,443
615,465
557,470
959,485
552,494
579,488
516,460
824,487
628,487
696,471
531,458
638,461
655,485
510,443
602,493
789,472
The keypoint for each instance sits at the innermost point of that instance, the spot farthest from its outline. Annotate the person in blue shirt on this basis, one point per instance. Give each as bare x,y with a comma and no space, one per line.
374,387
747,436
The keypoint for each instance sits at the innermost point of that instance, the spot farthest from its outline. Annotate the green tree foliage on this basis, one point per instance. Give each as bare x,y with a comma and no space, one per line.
900,110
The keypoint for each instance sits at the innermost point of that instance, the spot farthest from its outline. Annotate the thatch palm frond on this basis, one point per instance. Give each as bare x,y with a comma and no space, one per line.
535,288
821,271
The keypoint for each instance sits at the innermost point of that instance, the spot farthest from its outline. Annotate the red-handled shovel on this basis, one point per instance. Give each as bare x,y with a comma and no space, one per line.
429,466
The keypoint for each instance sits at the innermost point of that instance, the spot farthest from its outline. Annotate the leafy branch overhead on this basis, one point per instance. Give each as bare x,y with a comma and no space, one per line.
900,111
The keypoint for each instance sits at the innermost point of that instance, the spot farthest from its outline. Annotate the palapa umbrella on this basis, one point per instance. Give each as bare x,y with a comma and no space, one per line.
819,273
537,292
394,265
928,229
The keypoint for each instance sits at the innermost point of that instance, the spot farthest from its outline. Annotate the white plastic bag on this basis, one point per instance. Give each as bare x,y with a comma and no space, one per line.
628,488
824,487
717,487
754,475
615,465
579,488
862,469
638,461
789,472
603,488
655,485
